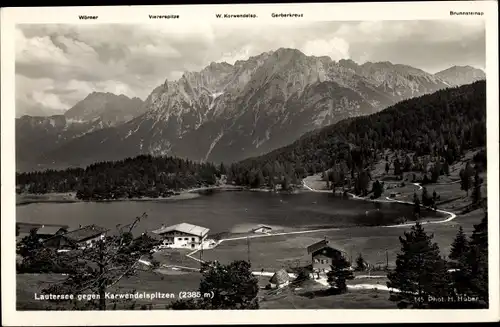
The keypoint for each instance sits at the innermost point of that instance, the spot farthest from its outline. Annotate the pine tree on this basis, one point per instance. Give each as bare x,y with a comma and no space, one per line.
29,244
460,245
377,189
435,172
471,278
434,199
397,167
446,168
233,287
222,169
259,179
340,272
466,178
420,271
270,182
285,183
425,197
479,258
407,164
416,209
476,191
360,263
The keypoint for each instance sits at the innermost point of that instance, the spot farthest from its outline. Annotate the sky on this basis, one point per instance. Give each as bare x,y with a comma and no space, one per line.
59,65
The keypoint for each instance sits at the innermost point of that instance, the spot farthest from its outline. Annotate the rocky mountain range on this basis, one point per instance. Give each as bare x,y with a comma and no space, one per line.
226,113
36,136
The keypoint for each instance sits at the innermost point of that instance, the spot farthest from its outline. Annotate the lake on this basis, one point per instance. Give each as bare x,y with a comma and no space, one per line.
234,212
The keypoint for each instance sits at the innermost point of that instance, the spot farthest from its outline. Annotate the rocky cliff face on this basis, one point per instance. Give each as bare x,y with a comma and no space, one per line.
230,112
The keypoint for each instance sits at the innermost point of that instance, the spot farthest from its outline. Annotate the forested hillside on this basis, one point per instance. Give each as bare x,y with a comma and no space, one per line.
443,124
141,176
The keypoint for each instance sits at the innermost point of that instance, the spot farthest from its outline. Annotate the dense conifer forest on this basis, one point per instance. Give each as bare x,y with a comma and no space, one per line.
142,176
444,125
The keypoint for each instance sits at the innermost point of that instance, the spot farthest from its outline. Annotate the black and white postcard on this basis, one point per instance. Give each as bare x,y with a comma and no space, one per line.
259,163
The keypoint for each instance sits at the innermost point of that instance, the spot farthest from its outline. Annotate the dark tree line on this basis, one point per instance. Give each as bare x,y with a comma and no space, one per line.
424,279
269,175
233,287
444,124
142,176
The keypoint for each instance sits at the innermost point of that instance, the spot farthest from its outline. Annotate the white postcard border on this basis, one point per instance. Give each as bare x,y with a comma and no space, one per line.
206,13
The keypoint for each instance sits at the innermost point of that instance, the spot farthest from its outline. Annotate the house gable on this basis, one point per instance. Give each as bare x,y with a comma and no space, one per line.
317,246
59,241
327,252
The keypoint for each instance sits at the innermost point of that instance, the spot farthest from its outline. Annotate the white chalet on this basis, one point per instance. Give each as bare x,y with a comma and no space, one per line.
182,235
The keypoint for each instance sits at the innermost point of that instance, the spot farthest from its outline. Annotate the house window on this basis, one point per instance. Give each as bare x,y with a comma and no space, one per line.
192,239
316,260
186,238
180,239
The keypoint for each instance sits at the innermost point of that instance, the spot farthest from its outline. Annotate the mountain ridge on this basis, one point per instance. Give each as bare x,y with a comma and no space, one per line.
38,135
224,112
457,75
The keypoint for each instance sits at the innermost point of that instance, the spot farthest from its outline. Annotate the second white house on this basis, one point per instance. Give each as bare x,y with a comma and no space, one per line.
182,235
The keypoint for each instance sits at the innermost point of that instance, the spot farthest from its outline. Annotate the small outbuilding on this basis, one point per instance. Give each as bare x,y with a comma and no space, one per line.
83,237
45,232
279,279
263,229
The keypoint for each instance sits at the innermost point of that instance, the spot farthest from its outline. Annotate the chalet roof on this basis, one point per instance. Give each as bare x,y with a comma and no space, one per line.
328,252
317,246
184,228
280,277
84,233
50,230
151,235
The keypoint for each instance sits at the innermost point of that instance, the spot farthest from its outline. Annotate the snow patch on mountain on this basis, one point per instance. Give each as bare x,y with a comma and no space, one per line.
212,145
258,142
216,95
160,148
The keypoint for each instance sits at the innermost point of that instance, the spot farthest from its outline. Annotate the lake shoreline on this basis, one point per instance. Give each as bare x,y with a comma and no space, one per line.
70,197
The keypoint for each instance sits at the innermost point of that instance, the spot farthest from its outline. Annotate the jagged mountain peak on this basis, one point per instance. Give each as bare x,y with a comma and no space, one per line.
465,68
218,65
396,68
289,50
107,107
462,67
459,75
